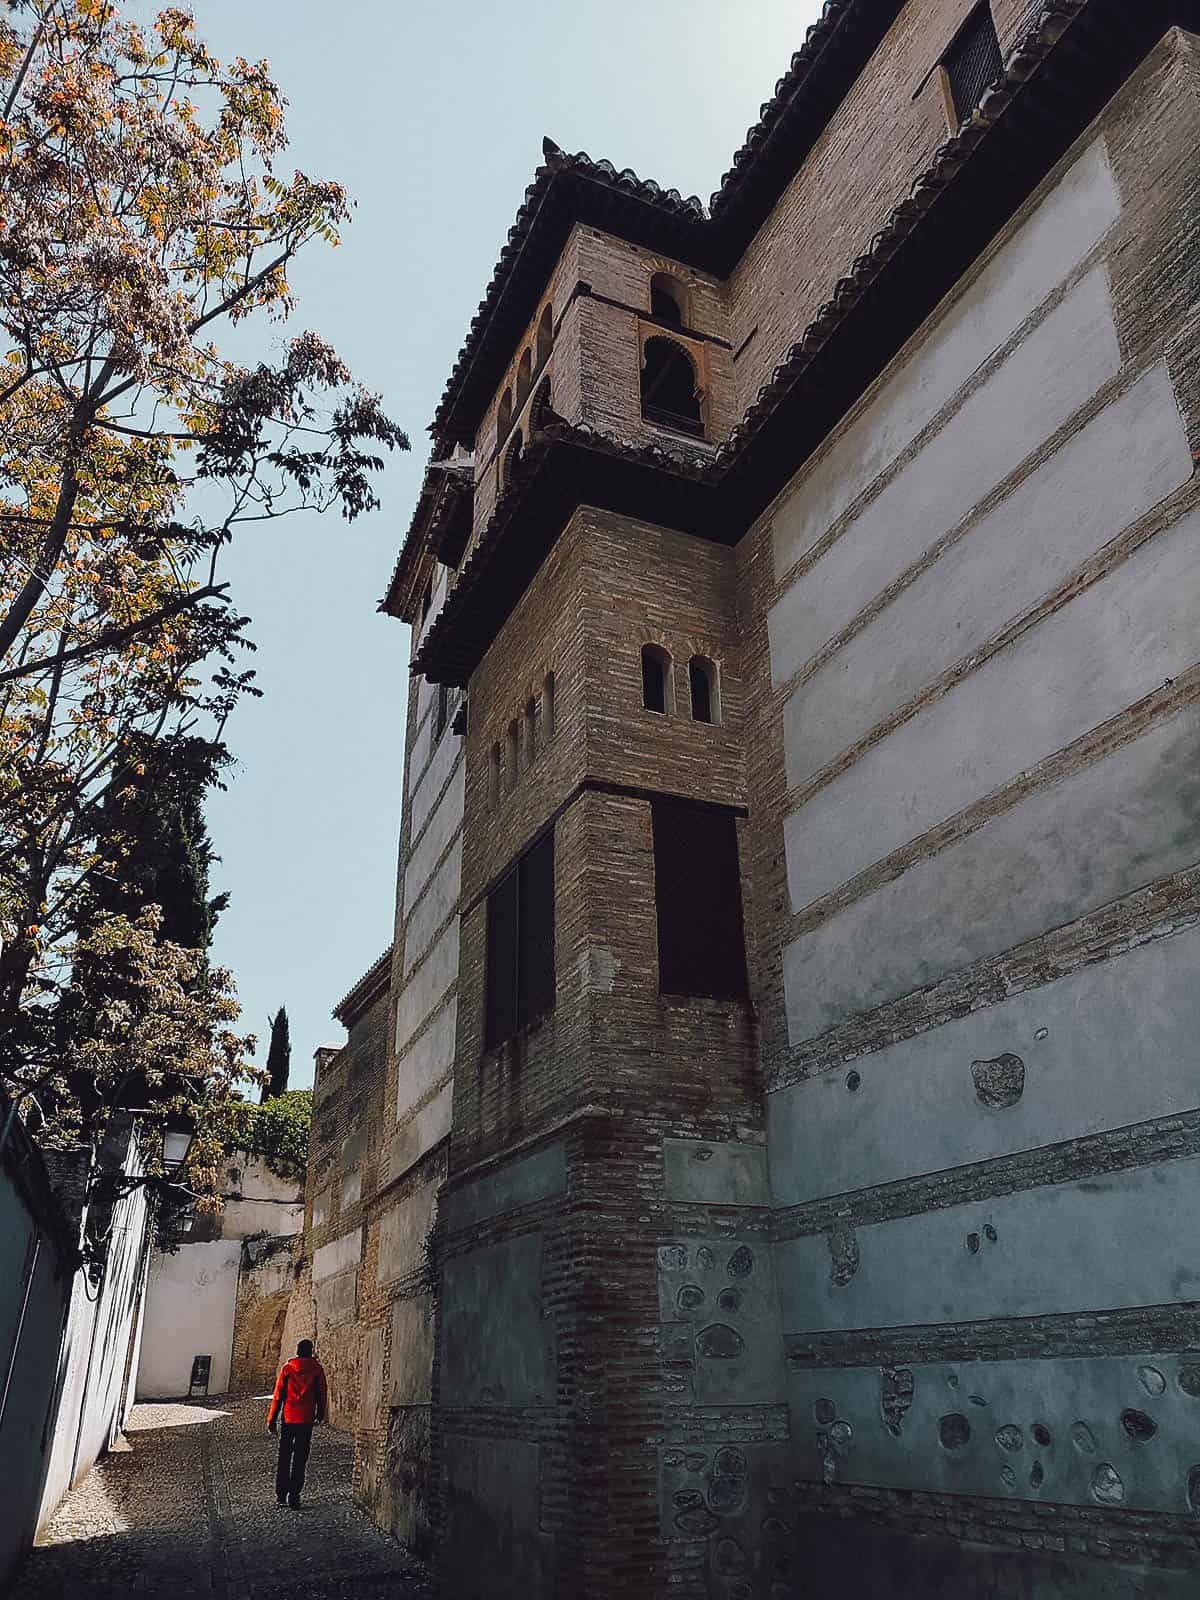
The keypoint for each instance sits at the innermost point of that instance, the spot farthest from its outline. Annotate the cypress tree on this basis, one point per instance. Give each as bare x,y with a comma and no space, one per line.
279,1057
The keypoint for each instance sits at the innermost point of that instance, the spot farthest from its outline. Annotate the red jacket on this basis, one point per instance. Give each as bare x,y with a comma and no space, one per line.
300,1390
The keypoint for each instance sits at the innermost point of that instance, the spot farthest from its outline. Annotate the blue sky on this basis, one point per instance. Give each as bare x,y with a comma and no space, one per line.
433,118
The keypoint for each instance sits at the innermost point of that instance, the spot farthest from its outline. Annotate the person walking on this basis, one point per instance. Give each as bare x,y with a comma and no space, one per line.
302,1396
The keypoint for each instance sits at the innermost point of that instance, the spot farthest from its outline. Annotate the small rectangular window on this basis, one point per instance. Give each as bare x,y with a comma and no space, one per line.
698,897
520,944
973,62
441,711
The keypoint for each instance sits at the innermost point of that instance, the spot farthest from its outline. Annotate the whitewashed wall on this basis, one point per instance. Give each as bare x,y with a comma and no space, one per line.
955,642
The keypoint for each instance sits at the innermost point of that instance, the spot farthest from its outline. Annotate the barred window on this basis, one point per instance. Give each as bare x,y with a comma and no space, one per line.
973,62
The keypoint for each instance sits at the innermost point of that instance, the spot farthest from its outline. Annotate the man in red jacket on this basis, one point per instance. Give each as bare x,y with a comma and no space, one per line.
301,1394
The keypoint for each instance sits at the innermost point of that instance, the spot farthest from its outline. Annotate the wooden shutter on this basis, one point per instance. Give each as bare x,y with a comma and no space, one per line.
535,991
500,1020
698,896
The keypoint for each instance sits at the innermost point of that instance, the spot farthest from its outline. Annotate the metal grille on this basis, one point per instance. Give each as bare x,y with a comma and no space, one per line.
974,62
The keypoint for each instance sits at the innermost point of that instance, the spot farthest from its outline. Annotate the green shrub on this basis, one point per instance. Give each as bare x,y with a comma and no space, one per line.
277,1131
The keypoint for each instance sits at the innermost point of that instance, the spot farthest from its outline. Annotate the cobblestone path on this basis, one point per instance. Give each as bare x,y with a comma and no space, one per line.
189,1513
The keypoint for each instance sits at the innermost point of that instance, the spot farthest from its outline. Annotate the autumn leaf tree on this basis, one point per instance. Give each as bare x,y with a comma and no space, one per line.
143,210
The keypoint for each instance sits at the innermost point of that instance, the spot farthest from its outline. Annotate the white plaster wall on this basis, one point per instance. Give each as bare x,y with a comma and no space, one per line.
402,1233
101,1336
1077,1404
1102,479
190,1303
1066,850
444,822
1105,1047
1058,235
269,1204
1112,645
433,779
1112,1240
1038,388
434,906
410,1142
337,1255
431,1057
425,986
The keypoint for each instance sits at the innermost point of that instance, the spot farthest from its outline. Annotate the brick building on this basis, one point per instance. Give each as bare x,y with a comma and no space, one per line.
791,1017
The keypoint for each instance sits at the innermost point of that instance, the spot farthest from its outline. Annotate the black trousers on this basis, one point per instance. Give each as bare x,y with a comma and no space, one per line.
294,1441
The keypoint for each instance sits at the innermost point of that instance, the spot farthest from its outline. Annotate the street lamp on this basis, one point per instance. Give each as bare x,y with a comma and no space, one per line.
176,1144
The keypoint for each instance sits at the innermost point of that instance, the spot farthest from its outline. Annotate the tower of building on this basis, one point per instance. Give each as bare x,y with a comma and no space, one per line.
788,1149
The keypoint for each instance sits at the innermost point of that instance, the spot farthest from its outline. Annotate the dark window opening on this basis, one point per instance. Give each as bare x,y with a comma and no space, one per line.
656,679
504,417
530,731
524,378
548,708
698,898
973,62
545,335
666,300
702,679
426,600
441,715
669,393
520,949
510,754
511,457
541,412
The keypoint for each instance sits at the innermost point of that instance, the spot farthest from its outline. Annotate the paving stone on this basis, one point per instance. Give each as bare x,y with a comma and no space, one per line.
189,1511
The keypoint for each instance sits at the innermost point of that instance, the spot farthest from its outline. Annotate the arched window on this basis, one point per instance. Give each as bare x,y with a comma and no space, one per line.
530,731
548,709
657,692
494,776
504,417
511,456
524,379
706,689
545,334
510,754
666,299
669,392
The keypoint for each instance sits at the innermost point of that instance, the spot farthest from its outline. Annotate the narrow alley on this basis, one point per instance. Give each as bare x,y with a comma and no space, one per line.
188,1512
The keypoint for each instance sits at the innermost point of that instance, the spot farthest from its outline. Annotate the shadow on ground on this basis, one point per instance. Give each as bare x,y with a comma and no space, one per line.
189,1512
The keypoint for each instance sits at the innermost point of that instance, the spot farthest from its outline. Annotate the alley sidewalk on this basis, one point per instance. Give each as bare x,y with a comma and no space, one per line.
189,1513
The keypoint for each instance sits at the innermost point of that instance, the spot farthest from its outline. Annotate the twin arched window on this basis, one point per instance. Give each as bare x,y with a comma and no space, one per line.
531,361
658,687
705,689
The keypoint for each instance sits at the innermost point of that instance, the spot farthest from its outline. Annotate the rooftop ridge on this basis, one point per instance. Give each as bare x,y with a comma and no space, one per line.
807,369
359,993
